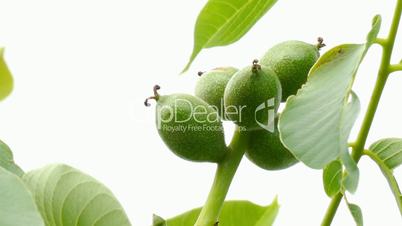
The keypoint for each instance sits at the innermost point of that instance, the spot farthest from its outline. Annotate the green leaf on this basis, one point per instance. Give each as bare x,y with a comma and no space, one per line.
66,196
269,216
356,212
223,22
332,178
234,213
350,113
388,151
158,221
315,123
351,176
6,79
7,160
17,207
376,25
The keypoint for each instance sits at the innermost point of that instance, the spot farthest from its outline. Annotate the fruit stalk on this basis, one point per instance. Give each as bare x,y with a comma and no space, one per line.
384,71
223,178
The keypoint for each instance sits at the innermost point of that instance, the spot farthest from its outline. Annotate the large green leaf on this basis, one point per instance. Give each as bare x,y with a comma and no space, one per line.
222,22
7,160
17,207
68,197
6,79
389,151
316,122
234,213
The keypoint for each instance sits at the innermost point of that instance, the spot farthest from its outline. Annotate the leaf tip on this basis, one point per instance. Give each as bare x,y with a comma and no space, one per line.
376,19
185,69
158,221
194,54
375,29
275,202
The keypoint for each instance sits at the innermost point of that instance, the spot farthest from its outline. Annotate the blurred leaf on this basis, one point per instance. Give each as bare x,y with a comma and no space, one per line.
17,207
316,122
158,221
350,113
66,196
388,151
332,178
6,79
7,160
376,24
223,22
356,212
234,213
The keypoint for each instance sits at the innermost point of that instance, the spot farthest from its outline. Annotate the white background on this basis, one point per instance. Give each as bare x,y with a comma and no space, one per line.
83,68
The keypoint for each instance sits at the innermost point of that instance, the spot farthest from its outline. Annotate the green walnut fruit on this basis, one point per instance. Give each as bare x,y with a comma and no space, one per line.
252,96
266,150
292,61
190,127
211,86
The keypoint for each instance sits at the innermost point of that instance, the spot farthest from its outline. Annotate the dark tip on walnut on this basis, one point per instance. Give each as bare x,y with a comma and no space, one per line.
320,43
156,88
256,67
154,97
146,101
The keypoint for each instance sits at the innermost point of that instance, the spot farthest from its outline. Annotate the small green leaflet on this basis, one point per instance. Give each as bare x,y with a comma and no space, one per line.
17,206
389,151
223,22
7,160
6,79
332,178
239,213
356,212
66,196
321,107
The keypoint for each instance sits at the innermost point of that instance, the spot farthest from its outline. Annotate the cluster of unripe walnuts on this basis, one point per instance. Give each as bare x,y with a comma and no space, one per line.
191,126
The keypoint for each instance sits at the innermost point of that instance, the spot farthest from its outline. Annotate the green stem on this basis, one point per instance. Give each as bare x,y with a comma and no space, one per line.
223,178
395,67
333,206
388,46
389,176
380,41
368,119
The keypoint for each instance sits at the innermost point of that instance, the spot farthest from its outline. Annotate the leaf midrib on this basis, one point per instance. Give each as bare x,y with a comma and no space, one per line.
224,25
